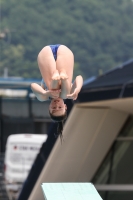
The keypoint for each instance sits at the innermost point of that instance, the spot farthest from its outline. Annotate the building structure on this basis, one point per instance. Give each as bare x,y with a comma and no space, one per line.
20,111
98,138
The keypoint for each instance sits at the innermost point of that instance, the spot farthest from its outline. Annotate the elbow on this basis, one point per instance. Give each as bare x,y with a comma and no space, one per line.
40,98
32,86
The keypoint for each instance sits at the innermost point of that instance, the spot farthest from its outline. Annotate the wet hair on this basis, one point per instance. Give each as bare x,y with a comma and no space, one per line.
60,122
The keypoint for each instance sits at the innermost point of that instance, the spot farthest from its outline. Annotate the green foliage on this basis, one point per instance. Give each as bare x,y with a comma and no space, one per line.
100,33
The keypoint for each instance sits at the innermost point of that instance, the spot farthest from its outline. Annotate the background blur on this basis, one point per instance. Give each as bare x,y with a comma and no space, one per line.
100,33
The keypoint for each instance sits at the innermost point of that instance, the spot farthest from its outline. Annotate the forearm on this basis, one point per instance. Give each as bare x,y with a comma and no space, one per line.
76,87
77,84
41,94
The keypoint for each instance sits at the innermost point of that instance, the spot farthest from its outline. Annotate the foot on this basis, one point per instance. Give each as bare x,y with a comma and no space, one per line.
56,76
63,75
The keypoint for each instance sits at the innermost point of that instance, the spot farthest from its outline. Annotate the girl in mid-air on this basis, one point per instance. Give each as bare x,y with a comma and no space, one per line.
56,63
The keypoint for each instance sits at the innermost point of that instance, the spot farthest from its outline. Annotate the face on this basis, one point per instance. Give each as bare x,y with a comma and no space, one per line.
57,107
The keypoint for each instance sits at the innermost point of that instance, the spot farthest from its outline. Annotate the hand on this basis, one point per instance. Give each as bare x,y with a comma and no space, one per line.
54,93
74,95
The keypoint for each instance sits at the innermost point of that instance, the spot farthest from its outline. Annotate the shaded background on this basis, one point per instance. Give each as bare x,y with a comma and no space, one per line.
100,33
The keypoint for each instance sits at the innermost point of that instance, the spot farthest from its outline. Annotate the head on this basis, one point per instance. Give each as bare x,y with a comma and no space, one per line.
58,113
57,108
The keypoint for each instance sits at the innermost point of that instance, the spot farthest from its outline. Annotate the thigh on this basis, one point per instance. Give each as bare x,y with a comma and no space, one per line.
47,65
65,61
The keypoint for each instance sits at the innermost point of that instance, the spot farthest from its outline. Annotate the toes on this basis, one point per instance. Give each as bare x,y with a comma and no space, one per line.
56,77
63,76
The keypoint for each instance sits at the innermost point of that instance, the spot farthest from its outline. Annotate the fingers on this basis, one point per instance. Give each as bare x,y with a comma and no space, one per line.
72,96
54,96
55,93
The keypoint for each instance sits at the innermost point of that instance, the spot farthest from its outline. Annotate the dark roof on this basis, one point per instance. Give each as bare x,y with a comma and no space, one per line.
115,77
115,83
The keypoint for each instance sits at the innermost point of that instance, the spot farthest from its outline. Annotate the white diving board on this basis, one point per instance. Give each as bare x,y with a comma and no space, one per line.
70,191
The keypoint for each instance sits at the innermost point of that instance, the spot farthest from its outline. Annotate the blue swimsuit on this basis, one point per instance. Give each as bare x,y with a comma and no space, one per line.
54,49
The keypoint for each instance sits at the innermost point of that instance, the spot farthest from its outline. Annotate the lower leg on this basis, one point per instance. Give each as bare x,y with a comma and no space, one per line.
55,83
65,63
